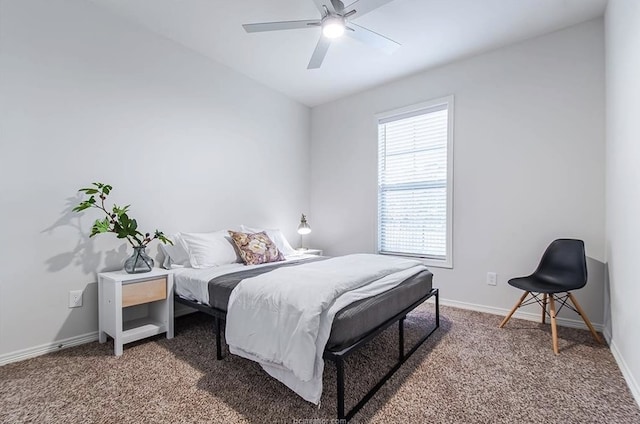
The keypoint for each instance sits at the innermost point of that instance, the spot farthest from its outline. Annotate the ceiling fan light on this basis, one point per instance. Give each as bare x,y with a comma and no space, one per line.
333,27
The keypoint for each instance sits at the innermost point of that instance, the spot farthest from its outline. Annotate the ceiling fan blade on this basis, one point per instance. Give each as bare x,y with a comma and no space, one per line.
319,53
277,26
321,4
372,38
338,6
362,7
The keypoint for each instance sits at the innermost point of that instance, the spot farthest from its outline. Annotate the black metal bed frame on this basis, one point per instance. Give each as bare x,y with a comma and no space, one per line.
339,356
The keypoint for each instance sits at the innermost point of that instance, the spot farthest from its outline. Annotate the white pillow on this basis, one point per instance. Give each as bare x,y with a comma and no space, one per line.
175,256
209,249
276,236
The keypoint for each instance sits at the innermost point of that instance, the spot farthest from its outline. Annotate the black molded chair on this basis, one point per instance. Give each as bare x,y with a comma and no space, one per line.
563,268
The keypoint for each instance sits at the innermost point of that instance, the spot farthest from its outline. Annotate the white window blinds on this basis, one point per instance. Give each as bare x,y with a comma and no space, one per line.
414,182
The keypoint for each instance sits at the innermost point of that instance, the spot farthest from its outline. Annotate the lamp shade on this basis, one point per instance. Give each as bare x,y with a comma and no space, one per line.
304,227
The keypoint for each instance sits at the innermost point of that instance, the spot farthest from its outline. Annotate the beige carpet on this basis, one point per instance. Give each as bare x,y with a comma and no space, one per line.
468,372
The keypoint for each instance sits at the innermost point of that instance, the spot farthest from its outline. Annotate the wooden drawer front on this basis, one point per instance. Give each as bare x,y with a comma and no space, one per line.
144,292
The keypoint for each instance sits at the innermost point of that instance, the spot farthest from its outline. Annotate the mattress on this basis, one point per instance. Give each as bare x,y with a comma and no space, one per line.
213,288
192,283
353,322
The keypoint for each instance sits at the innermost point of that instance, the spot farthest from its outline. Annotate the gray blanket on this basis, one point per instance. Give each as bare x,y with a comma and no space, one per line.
220,288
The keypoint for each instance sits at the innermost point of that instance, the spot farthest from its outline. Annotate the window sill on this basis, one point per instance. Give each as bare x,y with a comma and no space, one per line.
432,263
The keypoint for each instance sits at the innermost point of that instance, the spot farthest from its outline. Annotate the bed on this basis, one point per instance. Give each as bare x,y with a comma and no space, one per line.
365,313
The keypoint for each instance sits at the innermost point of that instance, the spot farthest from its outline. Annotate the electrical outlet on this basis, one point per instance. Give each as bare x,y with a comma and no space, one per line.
492,278
75,298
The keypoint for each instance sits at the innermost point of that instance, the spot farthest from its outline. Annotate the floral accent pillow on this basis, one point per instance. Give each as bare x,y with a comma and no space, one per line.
256,248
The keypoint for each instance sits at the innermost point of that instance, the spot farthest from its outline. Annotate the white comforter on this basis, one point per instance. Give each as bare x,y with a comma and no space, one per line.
282,319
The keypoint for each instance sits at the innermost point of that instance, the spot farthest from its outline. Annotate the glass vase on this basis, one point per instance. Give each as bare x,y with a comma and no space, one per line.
138,262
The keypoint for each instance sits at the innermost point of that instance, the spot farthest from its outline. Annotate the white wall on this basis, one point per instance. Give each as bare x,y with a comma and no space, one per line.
528,163
85,96
623,183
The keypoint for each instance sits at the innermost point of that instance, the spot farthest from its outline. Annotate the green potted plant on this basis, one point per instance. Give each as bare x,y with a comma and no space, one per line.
117,221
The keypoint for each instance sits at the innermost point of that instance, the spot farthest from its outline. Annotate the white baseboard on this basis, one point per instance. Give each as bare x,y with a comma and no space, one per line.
626,372
183,310
607,335
32,352
565,322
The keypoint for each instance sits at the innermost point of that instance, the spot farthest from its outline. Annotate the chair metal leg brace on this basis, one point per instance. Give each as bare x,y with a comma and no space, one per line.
553,313
339,357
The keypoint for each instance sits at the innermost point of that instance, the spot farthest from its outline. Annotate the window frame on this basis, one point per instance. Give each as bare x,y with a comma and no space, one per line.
404,113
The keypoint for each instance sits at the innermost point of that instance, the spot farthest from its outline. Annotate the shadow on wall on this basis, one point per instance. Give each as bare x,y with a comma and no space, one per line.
606,323
80,324
591,295
83,254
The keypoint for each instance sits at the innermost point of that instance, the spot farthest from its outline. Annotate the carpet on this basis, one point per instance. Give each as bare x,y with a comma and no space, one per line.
469,371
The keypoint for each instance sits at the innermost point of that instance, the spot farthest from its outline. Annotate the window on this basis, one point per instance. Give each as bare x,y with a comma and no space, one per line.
415,146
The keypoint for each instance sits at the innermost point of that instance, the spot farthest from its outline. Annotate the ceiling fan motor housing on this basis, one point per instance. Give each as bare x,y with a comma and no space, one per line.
334,22
333,26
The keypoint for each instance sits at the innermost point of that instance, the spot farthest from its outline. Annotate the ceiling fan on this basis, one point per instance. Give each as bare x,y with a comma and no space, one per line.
335,22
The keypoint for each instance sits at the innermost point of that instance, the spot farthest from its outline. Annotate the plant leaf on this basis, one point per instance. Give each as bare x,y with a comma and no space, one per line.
160,236
100,226
82,206
89,190
118,221
120,211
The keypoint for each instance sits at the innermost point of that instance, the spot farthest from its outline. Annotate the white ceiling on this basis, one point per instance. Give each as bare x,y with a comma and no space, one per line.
431,32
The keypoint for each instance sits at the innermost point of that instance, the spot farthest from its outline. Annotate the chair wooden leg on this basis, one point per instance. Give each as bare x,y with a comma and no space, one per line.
584,318
506,319
554,329
544,308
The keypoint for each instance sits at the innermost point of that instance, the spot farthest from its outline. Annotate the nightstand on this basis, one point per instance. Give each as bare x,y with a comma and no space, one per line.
317,252
134,306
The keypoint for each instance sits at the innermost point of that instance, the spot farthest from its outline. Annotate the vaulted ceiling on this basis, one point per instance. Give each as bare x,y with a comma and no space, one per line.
431,32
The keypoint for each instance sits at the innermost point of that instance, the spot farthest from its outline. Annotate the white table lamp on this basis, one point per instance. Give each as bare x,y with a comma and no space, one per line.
303,229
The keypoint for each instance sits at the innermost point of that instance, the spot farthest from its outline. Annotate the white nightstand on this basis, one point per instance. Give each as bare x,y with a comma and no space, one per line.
317,252
134,306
